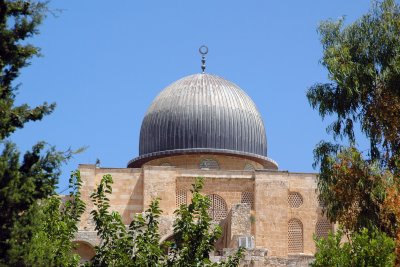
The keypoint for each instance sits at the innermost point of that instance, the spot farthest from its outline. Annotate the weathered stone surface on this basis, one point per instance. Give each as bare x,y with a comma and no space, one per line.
265,220
88,236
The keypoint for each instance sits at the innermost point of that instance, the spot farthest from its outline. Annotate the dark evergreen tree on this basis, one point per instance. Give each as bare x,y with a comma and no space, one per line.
36,229
19,20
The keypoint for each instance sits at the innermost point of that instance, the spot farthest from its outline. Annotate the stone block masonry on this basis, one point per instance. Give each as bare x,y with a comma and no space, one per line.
278,210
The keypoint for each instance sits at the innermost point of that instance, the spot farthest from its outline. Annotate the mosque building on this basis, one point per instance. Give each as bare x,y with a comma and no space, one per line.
205,126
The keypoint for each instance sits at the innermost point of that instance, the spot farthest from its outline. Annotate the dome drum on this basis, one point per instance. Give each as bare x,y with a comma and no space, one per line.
265,161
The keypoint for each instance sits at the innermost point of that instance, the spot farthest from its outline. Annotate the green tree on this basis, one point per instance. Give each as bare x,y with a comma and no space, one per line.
194,234
36,229
363,62
139,244
368,248
136,245
51,225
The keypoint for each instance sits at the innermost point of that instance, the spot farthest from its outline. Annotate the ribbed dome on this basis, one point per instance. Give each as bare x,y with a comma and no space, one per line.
203,113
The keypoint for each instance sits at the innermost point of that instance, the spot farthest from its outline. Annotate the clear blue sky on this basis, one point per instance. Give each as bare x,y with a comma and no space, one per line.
105,61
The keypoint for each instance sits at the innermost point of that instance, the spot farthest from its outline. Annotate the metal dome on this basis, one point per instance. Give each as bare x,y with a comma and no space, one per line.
202,113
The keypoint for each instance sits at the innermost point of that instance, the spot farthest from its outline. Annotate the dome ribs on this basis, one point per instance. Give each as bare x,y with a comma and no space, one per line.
205,113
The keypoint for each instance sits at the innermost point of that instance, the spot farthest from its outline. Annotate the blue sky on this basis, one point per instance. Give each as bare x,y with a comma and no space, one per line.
105,61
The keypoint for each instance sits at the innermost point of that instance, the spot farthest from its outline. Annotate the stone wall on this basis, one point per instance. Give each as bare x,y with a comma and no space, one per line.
309,212
291,261
127,196
89,237
240,224
260,258
271,216
267,219
160,182
228,184
274,211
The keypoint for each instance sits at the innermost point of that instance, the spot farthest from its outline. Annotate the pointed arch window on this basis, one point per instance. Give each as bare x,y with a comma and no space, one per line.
322,228
218,209
295,236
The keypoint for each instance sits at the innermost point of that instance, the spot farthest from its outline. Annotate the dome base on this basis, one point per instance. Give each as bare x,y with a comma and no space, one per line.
265,161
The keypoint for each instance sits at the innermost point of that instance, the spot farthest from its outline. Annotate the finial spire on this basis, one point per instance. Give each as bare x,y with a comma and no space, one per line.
203,51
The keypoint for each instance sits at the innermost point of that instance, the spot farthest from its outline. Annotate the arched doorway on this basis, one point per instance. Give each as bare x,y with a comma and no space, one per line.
85,250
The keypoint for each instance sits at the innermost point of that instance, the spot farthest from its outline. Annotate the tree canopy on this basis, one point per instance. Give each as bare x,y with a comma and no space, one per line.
363,62
36,228
359,188
139,244
368,248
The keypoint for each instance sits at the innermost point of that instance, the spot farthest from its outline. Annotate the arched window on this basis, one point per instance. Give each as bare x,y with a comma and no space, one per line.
181,197
295,199
218,209
249,167
295,236
248,198
322,228
210,164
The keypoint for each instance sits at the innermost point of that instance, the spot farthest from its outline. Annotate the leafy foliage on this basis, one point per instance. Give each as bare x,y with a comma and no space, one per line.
194,234
367,248
391,212
22,185
121,245
50,226
354,190
139,244
363,62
